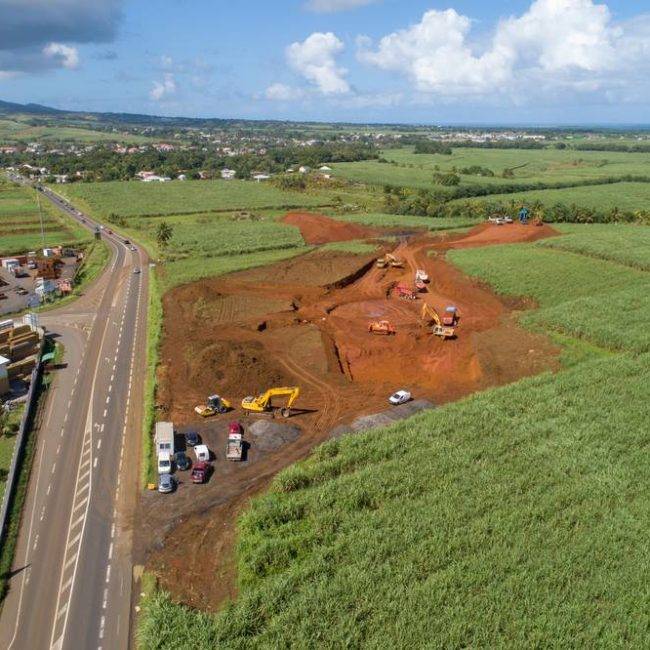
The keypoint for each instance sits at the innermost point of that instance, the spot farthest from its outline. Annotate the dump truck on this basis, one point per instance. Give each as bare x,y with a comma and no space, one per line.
214,404
450,317
430,315
264,403
405,292
235,446
390,260
381,327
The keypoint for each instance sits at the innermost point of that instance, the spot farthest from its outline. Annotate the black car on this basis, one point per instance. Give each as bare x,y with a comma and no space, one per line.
183,463
192,438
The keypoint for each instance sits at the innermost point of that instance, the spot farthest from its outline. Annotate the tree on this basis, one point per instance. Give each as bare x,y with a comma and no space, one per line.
164,234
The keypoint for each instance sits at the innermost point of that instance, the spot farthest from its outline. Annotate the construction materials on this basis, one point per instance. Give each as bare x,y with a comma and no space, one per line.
264,403
404,292
235,445
430,315
381,327
214,405
391,261
421,275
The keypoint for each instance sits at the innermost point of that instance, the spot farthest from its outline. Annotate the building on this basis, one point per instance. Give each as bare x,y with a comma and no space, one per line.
303,169
228,174
259,177
325,168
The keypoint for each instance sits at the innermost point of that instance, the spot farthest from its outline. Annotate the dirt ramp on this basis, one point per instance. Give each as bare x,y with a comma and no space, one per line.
318,229
489,234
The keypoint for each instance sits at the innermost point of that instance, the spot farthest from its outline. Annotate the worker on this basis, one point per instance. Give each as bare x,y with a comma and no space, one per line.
523,215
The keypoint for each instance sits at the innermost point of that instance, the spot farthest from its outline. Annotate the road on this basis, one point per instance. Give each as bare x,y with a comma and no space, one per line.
72,575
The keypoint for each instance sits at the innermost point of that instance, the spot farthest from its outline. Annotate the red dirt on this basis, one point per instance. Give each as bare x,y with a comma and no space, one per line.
317,229
304,322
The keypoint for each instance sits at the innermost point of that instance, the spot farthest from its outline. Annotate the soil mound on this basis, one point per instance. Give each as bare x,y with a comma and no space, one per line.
491,234
270,435
318,229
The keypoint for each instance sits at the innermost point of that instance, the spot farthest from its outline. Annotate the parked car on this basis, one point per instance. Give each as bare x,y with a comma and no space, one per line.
136,270
166,483
192,438
201,472
127,241
183,461
202,453
400,397
164,462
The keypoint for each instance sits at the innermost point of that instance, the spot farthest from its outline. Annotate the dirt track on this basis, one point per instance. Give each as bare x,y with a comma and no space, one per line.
304,322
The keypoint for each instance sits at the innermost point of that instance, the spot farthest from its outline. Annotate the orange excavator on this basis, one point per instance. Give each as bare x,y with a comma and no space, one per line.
430,316
382,327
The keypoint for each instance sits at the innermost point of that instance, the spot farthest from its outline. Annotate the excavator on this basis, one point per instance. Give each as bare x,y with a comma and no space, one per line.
264,403
213,405
430,315
390,260
381,327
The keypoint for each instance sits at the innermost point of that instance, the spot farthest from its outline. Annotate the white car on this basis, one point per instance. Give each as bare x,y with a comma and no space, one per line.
202,453
164,462
496,220
400,397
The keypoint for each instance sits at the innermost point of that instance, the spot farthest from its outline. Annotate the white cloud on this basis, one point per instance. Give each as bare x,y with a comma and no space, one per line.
163,89
331,6
282,93
315,59
556,45
166,61
66,55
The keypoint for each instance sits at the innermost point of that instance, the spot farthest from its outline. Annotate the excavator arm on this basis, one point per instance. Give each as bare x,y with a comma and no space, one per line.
264,401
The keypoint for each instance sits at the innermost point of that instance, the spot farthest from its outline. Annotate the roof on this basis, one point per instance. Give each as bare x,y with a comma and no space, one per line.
4,360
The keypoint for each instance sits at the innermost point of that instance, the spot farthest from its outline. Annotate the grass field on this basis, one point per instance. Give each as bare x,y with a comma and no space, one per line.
20,229
7,444
625,196
131,199
13,130
514,518
527,166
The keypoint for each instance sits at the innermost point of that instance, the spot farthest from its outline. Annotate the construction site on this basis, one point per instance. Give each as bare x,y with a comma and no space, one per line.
347,331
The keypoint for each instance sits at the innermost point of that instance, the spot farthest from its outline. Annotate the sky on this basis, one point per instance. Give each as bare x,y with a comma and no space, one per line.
407,61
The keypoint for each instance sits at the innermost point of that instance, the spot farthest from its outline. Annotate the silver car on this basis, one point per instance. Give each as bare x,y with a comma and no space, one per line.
166,483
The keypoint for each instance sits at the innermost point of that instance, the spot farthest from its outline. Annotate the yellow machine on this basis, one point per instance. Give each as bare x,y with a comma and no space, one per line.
264,403
429,314
214,405
390,260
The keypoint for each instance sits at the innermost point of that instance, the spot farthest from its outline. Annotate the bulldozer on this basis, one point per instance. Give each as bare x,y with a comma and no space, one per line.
381,327
391,261
264,403
430,315
214,404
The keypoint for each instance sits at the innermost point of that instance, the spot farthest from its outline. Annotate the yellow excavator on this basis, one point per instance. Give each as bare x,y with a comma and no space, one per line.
214,404
430,315
264,403
390,260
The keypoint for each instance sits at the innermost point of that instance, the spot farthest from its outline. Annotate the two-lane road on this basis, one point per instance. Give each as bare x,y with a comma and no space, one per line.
71,585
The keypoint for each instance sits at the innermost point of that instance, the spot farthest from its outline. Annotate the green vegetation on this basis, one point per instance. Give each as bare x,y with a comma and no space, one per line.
617,243
510,518
356,247
16,130
154,330
132,199
20,227
9,423
624,196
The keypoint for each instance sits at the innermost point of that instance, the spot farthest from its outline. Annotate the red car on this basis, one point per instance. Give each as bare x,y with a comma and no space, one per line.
200,472
235,428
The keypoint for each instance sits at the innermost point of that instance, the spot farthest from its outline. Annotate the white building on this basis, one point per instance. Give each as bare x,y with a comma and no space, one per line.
228,174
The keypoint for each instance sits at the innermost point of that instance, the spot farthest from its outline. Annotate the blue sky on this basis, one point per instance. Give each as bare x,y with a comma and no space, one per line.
451,61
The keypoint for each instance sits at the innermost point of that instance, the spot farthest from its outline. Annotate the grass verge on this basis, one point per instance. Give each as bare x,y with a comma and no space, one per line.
154,330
